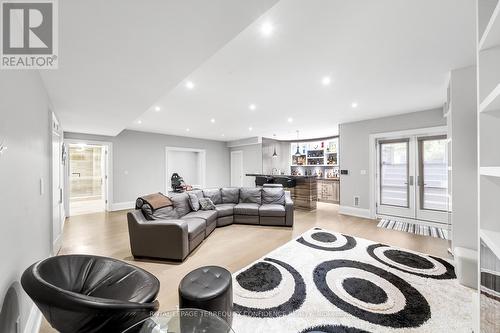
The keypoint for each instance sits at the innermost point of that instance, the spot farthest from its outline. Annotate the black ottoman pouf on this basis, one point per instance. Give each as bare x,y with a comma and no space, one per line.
208,288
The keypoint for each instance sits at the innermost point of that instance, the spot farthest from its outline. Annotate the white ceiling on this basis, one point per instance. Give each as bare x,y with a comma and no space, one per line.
389,56
119,59
116,57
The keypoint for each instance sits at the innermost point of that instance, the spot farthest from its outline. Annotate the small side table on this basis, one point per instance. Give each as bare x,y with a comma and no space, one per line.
208,288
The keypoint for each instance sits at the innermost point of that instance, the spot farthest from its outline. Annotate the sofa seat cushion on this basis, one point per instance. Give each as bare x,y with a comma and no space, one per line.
196,226
272,210
246,209
225,209
208,215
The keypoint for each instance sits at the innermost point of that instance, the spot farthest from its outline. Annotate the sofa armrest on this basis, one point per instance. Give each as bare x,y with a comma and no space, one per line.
288,209
166,239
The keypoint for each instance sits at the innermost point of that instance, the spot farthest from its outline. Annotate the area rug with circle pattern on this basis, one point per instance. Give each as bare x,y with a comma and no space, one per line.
329,282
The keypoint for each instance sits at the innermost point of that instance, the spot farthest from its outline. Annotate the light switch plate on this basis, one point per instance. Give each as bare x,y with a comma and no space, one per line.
363,172
42,187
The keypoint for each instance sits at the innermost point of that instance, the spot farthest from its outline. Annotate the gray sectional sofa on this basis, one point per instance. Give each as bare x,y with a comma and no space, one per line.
176,231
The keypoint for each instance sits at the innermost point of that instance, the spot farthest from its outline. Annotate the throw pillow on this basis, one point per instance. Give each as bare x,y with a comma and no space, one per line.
194,202
206,204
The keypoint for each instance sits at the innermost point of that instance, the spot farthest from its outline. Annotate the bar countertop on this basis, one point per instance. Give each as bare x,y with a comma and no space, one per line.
278,176
291,176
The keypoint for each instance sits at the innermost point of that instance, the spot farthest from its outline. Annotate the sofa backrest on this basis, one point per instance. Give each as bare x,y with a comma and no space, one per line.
273,195
230,194
251,195
162,213
181,204
213,194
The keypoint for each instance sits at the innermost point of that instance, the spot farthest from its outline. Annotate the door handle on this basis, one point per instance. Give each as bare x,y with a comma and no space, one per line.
410,181
420,181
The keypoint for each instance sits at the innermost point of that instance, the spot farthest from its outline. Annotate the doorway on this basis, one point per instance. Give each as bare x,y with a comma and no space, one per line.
87,178
188,163
412,177
237,168
58,211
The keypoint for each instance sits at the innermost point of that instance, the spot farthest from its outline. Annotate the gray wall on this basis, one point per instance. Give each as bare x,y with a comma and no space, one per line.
139,161
26,214
354,149
282,162
252,162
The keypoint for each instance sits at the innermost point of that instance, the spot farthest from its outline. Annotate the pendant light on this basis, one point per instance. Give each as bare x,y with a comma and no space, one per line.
274,154
297,153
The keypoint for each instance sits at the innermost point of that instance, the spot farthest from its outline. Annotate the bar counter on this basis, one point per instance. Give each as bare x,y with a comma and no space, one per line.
303,189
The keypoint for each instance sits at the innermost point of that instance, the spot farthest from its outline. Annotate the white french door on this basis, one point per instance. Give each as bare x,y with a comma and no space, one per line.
396,195
412,177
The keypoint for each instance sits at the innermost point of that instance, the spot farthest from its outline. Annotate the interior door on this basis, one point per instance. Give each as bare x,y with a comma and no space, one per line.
104,175
395,176
432,179
237,168
57,202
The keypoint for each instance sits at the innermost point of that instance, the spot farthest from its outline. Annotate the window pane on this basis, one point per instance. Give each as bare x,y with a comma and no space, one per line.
435,175
394,174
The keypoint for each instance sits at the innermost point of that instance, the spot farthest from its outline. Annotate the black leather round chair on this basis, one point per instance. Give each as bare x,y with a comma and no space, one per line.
83,293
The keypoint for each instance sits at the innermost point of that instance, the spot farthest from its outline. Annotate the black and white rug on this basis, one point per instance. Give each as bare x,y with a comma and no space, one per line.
412,228
329,282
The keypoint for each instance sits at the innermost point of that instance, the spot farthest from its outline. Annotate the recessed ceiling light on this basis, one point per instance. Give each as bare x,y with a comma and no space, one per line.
266,29
187,129
354,105
326,81
139,122
252,107
212,120
223,135
157,109
290,120
250,128
190,85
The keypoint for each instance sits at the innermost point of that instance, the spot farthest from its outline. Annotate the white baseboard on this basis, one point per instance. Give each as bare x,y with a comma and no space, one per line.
34,320
56,245
354,211
122,206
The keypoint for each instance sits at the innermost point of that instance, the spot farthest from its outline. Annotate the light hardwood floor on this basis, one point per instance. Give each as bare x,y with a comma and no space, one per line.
233,246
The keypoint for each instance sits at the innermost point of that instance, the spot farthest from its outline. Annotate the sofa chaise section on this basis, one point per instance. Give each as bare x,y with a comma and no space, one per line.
165,239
